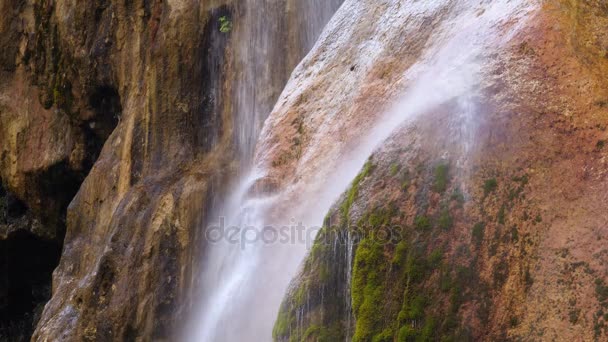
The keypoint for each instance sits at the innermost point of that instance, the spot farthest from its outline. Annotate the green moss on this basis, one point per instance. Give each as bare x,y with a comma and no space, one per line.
428,330
354,189
394,169
385,336
320,334
380,218
300,295
514,194
416,265
282,324
324,273
501,273
501,215
601,291
422,223
573,315
456,296
400,254
445,281
521,179
600,145
405,180
415,309
441,178
434,259
57,97
370,314
478,233
490,186
445,221
407,333
366,271
514,234
528,280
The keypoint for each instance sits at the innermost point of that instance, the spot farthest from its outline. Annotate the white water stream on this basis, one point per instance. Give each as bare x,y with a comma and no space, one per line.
244,278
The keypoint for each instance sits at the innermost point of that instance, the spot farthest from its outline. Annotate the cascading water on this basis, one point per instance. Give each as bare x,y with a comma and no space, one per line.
244,279
263,58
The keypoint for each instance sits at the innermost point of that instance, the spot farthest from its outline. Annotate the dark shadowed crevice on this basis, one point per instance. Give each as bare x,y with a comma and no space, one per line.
57,186
106,106
31,239
214,42
26,263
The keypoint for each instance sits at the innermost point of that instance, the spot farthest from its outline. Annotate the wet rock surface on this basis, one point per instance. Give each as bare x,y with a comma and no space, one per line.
117,131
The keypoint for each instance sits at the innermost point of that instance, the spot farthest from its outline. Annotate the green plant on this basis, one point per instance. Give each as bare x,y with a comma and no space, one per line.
407,333
400,254
441,178
445,219
521,179
394,169
225,24
435,258
514,234
414,309
600,145
445,281
478,233
416,266
422,223
601,290
501,215
489,186
513,321
405,179
501,273
428,330
528,280
573,315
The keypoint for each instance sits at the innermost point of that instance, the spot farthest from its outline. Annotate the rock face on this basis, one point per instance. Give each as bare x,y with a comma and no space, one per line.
147,100
480,217
440,236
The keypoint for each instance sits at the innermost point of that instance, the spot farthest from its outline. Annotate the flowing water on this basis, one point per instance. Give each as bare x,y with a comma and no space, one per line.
245,279
262,59
272,37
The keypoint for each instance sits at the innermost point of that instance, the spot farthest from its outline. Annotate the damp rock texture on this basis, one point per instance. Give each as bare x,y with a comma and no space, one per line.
120,121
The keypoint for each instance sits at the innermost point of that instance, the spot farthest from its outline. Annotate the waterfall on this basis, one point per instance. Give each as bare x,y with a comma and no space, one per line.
262,57
244,279
265,58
